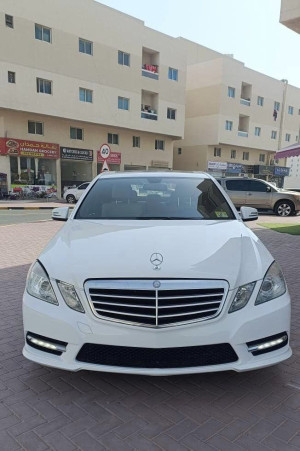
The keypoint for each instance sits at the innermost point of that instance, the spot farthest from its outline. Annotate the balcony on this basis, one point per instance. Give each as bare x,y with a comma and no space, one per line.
148,113
242,134
150,62
246,102
150,71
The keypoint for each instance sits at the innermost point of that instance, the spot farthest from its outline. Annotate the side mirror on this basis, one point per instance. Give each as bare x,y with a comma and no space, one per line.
269,189
60,214
248,214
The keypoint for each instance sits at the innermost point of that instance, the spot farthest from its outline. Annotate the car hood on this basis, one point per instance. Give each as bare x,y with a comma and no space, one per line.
86,249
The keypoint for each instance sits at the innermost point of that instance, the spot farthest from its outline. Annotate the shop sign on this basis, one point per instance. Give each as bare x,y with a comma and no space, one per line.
281,170
217,165
235,168
24,148
114,158
263,170
66,153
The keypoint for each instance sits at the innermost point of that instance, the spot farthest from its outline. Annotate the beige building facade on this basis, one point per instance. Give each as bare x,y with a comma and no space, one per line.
77,76
236,118
290,14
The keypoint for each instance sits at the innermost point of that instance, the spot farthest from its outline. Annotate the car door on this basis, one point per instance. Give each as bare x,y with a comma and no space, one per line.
80,189
237,189
259,194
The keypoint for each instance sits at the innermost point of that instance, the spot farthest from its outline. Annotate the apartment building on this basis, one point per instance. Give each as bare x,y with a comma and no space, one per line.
290,14
236,118
75,75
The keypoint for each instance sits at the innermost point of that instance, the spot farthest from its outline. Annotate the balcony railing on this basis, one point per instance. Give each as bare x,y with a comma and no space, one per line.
245,102
149,115
243,134
150,71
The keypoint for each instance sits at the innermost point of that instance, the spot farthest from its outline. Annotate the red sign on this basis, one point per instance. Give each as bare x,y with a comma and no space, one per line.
24,148
114,158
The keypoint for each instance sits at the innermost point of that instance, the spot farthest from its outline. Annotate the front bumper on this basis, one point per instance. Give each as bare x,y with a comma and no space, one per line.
236,329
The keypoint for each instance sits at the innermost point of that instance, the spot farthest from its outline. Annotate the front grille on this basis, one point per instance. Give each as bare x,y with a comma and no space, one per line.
172,302
129,357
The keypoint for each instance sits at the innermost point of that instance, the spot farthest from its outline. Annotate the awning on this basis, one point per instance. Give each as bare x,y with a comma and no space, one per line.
290,151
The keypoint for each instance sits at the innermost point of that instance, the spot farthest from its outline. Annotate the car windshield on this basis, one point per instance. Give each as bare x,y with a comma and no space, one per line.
154,198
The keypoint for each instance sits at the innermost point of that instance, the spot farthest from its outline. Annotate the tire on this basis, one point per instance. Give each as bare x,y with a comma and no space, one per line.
70,199
284,208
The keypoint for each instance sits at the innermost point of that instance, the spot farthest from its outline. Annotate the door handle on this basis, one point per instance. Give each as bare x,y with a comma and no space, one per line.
249,194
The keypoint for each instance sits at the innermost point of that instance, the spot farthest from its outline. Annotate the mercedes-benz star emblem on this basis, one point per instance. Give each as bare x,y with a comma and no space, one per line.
156,259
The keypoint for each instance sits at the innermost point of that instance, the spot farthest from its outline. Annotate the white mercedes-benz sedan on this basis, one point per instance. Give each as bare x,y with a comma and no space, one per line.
156,273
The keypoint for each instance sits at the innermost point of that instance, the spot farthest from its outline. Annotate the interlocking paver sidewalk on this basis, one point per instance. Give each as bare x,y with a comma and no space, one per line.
43,408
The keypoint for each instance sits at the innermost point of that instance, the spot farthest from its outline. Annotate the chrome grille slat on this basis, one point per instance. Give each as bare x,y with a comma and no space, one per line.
124,305
188,313
174,302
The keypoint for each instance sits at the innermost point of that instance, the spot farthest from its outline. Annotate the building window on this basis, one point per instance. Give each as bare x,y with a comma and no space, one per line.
287,137
123,103
260,101
85,95
171,113
262,157
179,151
291,110
231,92
228,125
299,111
85,46
273,134
35,128
276,106
44,86
217,151
136,141
76,133
113,138
11,76
245,155
159,144
42,33
173,74
233,154
257,131
9,21
123,58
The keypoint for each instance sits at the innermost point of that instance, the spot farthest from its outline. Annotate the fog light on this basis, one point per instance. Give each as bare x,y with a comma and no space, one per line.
268,344
46,344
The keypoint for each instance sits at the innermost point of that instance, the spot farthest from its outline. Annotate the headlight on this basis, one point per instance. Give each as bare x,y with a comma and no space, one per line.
70,297
272,286
242,297
38,284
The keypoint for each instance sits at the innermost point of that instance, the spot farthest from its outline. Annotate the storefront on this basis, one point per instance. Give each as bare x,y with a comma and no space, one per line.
113,161
274,174
76,166
32,164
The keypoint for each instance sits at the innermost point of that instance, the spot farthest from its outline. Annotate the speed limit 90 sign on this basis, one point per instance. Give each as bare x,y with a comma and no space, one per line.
104,151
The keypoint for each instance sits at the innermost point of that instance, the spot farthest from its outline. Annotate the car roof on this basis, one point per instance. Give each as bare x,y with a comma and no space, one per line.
169,174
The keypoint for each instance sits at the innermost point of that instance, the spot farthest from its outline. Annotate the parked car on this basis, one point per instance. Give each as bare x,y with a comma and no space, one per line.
72,195
261,194
156,273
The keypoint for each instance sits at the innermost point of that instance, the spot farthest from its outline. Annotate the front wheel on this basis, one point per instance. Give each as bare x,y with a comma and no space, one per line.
70,199
284,208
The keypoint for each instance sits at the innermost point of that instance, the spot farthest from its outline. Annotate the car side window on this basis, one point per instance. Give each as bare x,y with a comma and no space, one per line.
83,186
257,186
237,185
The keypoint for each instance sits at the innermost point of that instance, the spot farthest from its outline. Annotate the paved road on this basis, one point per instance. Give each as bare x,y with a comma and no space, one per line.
43,408
8,217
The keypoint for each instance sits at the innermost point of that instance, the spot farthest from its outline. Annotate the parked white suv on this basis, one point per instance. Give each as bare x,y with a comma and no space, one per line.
72,195
156,273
